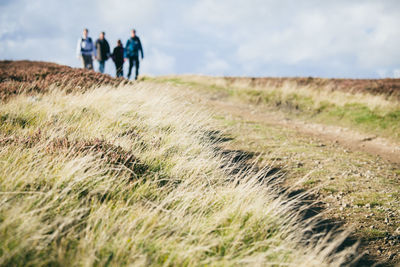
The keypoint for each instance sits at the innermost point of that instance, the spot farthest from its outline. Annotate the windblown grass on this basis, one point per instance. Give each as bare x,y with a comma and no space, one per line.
131,176
373,113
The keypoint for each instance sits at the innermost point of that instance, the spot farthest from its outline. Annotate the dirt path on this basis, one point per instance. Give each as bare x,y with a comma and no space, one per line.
358,189
345,137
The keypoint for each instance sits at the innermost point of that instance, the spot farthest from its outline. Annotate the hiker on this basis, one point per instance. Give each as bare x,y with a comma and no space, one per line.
103,51
118,58
86,50
132,48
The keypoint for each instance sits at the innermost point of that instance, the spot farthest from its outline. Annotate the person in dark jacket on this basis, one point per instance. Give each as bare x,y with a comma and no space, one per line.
132,48
103,51
118,58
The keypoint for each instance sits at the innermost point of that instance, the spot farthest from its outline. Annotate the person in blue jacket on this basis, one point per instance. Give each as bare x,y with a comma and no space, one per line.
132,48
86,50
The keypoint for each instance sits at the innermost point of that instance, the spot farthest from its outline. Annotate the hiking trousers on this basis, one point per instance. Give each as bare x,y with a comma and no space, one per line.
102,65
133,61
119,66
87,62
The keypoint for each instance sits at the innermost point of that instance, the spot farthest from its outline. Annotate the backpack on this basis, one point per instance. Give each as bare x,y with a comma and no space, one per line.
89,40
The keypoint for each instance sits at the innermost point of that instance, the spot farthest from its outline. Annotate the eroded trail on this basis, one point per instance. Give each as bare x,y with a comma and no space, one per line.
358,175
349,180
349,139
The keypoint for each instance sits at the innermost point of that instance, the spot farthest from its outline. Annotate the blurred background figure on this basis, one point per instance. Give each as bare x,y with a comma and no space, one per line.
103,51
118,58
86,50
132,48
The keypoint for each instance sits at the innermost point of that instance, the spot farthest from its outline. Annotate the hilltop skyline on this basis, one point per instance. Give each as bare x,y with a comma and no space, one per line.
357,39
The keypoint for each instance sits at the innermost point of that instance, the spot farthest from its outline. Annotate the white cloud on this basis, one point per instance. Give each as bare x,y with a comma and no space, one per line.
217,67
253,37
362,33
159,63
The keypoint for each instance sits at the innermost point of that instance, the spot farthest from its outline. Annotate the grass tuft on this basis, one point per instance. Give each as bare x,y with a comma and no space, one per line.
133,175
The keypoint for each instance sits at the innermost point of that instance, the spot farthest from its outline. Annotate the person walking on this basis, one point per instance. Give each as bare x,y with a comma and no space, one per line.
118,58
86,50
103,51
132,48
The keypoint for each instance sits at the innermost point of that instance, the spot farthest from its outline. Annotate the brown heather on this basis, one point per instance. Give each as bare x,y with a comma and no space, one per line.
389,88
119,173
32,77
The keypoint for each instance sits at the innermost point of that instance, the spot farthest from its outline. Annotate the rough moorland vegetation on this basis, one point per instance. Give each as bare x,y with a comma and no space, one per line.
32,77
367,105
94,171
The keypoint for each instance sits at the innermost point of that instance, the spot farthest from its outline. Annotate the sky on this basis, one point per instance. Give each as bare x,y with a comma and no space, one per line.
340,38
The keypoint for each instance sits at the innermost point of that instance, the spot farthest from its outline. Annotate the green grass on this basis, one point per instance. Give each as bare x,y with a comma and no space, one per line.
336,108
373,234
372,199
129,176
340,178
357,115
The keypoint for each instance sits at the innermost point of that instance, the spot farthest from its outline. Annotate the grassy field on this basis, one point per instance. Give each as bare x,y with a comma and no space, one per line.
357,190
154,173
130,175
318,102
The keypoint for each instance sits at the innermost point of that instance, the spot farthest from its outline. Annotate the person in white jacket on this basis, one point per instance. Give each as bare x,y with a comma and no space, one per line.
86,50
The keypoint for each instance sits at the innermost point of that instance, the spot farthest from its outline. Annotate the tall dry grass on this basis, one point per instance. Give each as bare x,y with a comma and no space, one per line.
131,176
318,93
370,110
